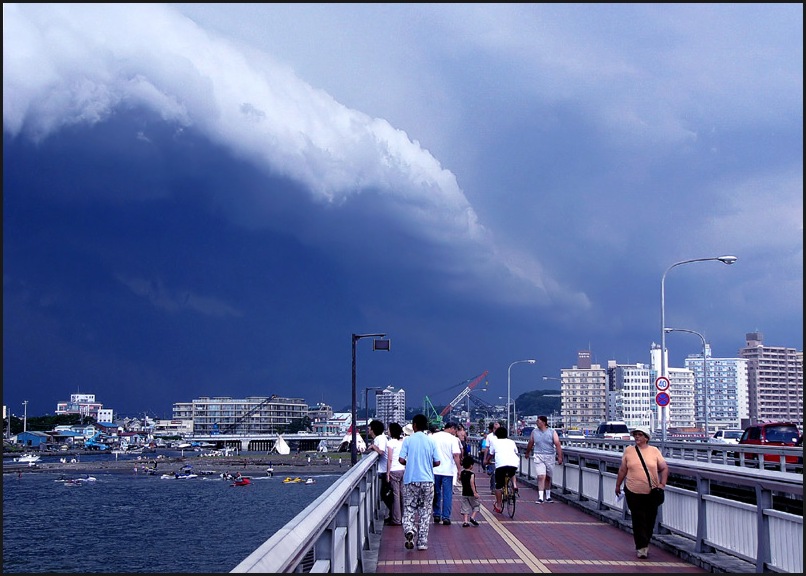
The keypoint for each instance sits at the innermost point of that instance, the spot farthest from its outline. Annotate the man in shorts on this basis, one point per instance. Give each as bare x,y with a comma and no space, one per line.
547,449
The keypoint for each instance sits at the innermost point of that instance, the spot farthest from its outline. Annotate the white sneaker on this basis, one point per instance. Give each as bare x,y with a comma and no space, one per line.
549,500
642,552
539,501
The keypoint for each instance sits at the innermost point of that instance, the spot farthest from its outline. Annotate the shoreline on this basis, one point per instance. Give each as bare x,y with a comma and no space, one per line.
282,465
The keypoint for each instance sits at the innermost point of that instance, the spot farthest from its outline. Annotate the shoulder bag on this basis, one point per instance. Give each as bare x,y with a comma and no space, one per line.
656,495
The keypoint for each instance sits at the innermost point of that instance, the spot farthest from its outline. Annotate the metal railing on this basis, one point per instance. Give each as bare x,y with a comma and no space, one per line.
332,534
752,530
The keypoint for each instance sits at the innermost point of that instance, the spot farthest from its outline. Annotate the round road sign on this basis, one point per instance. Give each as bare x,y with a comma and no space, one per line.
662,399
662,383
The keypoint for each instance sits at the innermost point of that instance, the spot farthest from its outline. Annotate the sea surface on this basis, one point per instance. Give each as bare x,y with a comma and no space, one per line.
133,523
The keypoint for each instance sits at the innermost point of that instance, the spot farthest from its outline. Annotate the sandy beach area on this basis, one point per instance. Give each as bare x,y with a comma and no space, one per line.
249,465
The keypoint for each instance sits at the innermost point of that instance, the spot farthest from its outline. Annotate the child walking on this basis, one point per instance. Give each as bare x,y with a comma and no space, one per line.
470,497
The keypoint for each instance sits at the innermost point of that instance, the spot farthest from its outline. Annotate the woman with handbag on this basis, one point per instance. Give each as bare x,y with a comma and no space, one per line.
646,473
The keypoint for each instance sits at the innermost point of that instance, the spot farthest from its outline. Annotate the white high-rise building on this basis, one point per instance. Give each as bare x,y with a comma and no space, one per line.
631,395
726,391
390,406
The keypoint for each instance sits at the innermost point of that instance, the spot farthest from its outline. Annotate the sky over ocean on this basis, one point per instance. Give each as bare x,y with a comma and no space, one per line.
200,200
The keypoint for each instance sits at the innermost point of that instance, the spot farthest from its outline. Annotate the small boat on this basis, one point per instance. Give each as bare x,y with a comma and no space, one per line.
73,482
289,480
310,481
244,481
29,459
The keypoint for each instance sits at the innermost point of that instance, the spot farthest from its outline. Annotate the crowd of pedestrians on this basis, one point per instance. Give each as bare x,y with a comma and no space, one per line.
420,469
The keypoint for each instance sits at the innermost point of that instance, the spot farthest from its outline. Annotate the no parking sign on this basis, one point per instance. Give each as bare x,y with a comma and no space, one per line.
662,399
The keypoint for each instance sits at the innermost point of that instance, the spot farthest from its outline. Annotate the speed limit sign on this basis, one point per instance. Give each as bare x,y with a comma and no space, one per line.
662,383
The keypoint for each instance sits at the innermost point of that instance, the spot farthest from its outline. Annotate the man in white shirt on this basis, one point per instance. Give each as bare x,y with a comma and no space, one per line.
493,426
379,441
450,454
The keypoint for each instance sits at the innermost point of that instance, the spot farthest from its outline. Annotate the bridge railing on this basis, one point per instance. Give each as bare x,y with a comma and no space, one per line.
755,532
331,534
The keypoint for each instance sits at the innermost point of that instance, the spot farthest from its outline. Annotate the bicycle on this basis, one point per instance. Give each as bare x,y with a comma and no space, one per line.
509,496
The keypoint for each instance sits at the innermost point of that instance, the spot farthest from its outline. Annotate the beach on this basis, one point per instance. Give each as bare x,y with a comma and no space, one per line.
303,464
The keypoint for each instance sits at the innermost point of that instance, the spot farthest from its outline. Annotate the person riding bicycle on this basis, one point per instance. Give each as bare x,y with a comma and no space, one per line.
504,452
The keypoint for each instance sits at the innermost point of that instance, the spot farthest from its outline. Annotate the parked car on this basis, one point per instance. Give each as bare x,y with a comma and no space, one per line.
574,435
771,434
615,430
728,436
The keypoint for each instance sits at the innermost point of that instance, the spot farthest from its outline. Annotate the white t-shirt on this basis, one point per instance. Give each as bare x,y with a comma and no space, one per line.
447,445
505,452
380,441
394,445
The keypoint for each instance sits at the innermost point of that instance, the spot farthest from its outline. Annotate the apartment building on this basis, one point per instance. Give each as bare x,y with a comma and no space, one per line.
725,396
583,391
251,415
390,406
775,380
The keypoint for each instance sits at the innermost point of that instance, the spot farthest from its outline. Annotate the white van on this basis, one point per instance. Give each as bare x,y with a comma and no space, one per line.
615,430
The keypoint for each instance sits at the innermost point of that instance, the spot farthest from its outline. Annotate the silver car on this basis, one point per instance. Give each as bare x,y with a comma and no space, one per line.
729,436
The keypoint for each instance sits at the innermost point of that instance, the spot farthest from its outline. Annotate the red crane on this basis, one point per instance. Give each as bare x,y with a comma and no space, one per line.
473,383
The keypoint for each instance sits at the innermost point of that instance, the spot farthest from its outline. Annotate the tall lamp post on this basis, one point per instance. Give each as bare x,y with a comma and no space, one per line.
509,387
663,367
704,371
378,344
24,417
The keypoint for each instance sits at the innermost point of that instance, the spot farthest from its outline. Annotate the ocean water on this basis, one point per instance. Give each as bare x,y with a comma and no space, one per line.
133,523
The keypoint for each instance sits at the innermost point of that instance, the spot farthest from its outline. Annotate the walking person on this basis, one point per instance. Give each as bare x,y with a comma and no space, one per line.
547,448
492,427
450,457
642,469
419,455
504,453
394,473
378,445
470,496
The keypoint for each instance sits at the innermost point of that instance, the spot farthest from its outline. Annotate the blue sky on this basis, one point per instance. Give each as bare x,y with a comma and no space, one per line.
209,199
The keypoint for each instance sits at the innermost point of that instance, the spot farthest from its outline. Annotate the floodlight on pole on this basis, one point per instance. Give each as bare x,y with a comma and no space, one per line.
663,367
378,344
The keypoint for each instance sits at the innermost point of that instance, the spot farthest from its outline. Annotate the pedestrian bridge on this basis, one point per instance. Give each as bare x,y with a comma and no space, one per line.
716,518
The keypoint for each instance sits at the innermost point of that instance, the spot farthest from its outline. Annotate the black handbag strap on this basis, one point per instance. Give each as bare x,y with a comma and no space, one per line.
648,479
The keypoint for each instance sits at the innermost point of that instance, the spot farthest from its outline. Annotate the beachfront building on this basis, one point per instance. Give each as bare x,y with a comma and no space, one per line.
83,404
251,415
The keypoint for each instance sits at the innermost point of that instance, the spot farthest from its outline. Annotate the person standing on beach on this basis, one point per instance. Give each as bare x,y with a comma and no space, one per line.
419,455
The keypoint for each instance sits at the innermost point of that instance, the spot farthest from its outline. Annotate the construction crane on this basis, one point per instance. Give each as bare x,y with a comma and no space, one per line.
431,413
473,383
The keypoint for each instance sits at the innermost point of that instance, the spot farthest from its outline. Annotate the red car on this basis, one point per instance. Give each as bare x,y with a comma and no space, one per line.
771,434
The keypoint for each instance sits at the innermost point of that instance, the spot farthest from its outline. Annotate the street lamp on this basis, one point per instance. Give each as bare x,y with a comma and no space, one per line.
663,367
25,416
509,387
508,399
376,345
704,371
